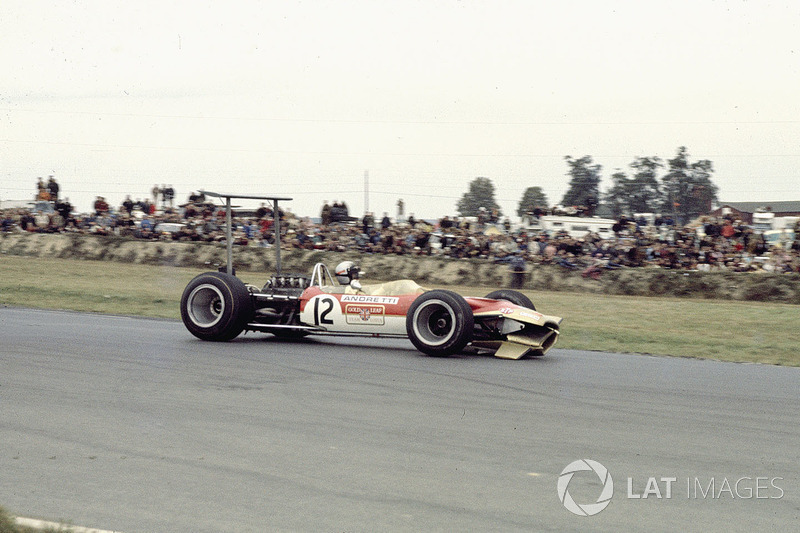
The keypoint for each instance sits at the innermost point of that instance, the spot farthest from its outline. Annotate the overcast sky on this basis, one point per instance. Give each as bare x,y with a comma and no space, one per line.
302,98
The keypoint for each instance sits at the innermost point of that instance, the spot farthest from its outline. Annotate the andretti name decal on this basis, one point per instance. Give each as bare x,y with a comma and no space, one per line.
367,299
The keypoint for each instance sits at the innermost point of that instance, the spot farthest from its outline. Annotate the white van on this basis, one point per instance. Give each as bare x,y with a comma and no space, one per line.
576,227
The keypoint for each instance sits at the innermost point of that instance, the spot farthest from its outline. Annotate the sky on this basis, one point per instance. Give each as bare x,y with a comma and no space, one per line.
368,102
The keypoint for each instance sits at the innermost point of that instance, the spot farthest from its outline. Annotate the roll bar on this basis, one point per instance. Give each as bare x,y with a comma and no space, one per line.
319,274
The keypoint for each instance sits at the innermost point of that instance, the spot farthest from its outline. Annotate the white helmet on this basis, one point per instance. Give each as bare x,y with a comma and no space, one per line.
346,271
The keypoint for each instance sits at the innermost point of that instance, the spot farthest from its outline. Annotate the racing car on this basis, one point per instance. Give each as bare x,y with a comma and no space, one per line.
218,306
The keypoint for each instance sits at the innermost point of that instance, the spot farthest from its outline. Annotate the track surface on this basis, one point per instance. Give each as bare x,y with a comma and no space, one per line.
133,425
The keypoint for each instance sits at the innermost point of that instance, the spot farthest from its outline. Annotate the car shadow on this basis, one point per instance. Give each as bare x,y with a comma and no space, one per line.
394,344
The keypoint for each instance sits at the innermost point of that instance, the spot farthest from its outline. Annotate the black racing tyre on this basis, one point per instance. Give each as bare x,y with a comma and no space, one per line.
514,297
440,323
216,306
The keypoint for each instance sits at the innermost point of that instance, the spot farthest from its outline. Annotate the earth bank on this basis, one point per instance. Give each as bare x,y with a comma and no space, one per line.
429,271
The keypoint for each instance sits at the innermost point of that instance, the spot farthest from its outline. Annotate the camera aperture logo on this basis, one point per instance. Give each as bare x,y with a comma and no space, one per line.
585,509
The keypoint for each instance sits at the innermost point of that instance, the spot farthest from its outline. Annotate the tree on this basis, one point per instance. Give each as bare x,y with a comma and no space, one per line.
688,190
584,184
617,198
532,198
480,194
637,194
645,195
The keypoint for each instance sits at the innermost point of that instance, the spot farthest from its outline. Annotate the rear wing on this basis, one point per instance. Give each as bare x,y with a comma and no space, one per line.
228,231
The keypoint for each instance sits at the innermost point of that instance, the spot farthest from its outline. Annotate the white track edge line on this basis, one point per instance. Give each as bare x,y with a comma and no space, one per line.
42,524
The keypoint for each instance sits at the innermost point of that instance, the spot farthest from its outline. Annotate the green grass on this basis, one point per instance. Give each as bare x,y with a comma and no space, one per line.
716,329
94,286
725,330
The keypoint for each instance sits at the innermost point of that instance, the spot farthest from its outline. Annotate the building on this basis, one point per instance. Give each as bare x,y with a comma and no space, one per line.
744,210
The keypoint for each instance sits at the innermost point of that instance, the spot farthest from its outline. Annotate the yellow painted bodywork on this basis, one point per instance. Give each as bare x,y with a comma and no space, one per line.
539,334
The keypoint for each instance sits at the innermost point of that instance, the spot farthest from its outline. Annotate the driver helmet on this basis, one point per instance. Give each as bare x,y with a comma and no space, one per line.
346,271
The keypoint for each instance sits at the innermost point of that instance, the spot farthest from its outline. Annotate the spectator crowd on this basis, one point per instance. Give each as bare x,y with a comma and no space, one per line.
708,244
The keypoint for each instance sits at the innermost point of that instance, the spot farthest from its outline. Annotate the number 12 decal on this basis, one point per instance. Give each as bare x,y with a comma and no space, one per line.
322,318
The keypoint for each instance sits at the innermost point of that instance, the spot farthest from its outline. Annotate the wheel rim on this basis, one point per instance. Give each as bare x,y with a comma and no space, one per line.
434,322
205,305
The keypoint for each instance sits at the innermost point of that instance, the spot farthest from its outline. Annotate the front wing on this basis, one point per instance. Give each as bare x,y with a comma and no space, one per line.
523,331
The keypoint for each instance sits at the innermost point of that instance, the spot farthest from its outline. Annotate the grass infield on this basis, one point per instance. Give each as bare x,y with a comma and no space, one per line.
758,332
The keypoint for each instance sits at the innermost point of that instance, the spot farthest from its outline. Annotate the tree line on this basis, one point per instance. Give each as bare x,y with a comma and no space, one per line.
677,187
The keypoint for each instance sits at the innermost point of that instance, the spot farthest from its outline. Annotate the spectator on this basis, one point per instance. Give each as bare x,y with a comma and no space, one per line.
52,188
197,198
127,205
263,211
517,267
64,208
169,196
728,231
100,206
368,222
325,215
41,190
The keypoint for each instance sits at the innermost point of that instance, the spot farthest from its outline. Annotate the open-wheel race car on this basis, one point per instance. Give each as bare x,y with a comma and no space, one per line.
218,306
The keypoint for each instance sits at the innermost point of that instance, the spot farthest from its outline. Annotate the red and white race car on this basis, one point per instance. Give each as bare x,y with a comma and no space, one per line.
217,306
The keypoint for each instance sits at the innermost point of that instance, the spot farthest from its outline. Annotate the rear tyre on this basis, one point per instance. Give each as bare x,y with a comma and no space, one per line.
216,306
514,297
440,323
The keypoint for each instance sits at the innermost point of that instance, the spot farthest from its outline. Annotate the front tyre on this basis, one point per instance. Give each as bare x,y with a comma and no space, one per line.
440,323
516,298
216,306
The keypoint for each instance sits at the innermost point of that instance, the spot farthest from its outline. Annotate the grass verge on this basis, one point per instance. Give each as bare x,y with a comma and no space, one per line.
759,332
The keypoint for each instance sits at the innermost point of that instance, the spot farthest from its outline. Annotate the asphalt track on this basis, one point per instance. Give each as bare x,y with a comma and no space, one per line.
134,425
